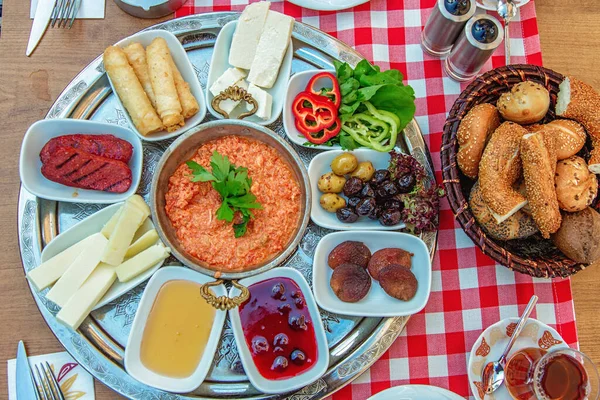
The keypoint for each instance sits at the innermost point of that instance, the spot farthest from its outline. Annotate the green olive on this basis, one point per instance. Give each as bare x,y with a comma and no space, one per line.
344,164
331,183
364,171
331,202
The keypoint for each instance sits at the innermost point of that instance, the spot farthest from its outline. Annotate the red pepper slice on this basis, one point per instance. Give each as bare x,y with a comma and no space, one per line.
314,122
323,135
332,93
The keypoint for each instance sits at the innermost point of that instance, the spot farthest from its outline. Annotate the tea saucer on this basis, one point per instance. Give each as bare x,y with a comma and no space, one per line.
491,343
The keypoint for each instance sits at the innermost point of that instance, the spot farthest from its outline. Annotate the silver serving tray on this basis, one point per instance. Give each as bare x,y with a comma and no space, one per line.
355,343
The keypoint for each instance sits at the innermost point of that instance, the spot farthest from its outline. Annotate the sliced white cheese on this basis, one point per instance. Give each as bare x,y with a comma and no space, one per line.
130,220
146,226
247,34
140,203
141,262
108,228
271,49
230,77
49,271
146,240
264,100
79,270
87,296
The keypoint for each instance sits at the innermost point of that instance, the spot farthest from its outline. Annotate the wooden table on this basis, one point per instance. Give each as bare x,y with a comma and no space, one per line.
570,36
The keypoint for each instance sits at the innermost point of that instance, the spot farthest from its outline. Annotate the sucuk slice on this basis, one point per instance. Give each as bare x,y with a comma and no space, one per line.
108,146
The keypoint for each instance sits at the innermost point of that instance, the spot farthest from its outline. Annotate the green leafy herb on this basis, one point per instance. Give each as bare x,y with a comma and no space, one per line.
343,139
233,184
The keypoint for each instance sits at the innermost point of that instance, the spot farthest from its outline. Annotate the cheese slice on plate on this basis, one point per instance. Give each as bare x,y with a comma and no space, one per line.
130,220
146,240
271,49
108,228
87,296
232,76
141,262
146,226
247,34
78,271
50,270
264,100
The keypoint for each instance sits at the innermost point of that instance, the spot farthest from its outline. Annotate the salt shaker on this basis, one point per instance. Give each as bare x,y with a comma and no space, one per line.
445,24
475,45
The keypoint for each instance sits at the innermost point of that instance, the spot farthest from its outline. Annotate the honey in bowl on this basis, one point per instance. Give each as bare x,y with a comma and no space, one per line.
177,330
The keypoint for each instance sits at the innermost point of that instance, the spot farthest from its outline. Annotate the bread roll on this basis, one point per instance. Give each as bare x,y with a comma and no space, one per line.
473,133
569,136
579,236
594,163
576,187
517,226
500,168
539,163
526,103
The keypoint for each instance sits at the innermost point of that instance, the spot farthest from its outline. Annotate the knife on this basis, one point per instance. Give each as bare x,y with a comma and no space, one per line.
40,23
25,386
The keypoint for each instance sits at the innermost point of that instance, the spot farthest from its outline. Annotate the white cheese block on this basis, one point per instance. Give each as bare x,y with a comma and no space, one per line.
230,77
271,49
130,220
78,271
140,203
87,296
247,34
49,271
141,262
264,100
108,228
146,240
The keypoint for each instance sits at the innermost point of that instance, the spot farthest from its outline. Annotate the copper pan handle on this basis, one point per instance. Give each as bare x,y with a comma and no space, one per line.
224,303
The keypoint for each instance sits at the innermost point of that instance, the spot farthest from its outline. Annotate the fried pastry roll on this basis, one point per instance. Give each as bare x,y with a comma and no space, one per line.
136,55
189,104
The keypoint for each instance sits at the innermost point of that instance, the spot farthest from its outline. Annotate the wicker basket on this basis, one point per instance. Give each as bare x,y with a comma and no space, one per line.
533,256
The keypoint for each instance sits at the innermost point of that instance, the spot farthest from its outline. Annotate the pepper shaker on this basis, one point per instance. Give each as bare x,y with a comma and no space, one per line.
475,45
445,23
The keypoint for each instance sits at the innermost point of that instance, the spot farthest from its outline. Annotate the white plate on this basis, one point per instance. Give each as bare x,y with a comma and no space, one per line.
42,131
88,226
415,392
492,4
134,365
496,338
327,5
320,165
376,303
184,65
296,382
220,63
296,85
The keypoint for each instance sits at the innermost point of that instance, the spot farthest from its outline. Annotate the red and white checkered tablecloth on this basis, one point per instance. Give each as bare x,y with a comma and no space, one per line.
469,290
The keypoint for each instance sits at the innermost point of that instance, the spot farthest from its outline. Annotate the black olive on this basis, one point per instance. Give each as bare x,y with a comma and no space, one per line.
298,357
390,217
386,189
260,345
284,308
367,191
281,340
380,176
353,186
278,291
279,364
375,213
346,215
297,322
393,204
353,201
365,206
406,183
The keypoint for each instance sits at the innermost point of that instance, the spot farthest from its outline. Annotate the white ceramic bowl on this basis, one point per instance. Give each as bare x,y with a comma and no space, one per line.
296,85
42,131
296,382
320,165
220,63
187,72
134,365
376,303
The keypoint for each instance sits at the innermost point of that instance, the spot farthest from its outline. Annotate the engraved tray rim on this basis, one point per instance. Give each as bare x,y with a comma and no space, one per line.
314,47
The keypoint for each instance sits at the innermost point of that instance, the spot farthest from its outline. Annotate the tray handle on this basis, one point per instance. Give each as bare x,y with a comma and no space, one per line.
224,303
234,93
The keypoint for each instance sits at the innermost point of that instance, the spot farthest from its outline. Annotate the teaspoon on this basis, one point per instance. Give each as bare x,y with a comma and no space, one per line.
507,10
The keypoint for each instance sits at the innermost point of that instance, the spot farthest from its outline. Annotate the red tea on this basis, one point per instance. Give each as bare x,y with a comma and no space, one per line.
564,378
519,373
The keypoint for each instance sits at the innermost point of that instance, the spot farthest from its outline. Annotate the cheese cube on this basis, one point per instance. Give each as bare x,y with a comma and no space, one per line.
146,240
49,271
87,296
247,34
141,262
271,49
130,220
81,268
264,100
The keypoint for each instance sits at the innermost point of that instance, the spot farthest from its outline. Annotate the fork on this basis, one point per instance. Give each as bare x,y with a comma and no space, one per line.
46,384
64,13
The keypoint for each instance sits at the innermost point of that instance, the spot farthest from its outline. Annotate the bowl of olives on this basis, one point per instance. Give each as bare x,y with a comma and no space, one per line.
354,191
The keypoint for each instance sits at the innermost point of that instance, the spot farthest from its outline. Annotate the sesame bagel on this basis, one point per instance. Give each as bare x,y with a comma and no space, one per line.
569,136
576,187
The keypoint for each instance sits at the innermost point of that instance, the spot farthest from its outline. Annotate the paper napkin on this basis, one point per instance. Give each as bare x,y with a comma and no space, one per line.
75,382
90,9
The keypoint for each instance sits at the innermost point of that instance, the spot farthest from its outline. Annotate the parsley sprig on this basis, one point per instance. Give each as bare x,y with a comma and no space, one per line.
233,184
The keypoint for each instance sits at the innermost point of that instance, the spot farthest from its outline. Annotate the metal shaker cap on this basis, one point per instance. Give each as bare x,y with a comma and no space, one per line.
457,10
484,32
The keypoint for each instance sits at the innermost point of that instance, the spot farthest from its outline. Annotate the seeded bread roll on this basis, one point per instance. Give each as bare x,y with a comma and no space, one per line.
569,136
526,103
579,236
499,169
473,133
576,187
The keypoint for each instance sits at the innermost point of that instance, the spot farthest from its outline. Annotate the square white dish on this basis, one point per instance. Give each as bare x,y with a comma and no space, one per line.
376,303
296,382
133,363
42,131
320,165
297,84
184,65
85,228
220,63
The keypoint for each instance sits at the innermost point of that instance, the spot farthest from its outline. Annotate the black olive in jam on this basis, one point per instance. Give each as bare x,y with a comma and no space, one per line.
298,357
278,291
297,322
279,364
260,345
281,340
